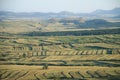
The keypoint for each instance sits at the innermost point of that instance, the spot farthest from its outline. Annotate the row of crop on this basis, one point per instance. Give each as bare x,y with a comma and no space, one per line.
83,52
66,52
81,75
12,75
35,75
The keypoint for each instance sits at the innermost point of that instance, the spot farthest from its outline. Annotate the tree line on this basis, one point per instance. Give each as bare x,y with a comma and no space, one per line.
74,33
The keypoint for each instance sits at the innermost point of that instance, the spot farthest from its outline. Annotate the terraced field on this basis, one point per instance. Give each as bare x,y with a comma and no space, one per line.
94,57
65,60
15,72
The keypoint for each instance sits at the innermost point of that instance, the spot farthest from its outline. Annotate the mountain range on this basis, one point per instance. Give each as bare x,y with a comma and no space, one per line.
95,14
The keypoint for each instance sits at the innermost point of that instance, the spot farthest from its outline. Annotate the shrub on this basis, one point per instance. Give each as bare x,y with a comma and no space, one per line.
45,66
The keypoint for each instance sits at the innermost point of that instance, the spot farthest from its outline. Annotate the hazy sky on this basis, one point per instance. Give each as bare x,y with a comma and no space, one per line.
57,5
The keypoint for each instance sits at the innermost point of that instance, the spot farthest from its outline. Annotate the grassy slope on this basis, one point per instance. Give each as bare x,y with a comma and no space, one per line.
20,26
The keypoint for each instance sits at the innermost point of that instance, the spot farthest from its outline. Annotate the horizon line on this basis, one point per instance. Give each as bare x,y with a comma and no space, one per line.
53,11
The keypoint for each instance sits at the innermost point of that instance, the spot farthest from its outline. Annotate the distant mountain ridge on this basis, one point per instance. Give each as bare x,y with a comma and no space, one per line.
64,14
113,11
